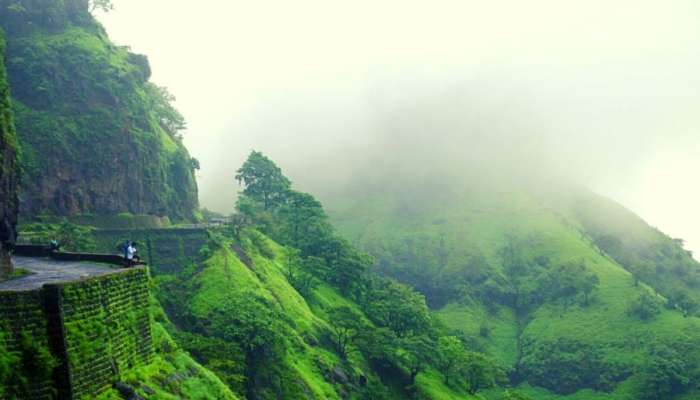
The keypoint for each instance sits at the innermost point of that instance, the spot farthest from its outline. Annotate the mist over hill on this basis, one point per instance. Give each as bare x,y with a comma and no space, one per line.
411,197
608,91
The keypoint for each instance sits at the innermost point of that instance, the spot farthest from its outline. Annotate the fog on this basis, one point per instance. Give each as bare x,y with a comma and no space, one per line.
603,93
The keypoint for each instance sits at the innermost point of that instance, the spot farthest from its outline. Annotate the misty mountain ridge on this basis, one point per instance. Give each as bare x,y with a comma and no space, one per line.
528,272
457,252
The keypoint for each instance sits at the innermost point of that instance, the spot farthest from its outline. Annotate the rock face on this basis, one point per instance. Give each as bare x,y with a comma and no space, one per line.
95,136
8,171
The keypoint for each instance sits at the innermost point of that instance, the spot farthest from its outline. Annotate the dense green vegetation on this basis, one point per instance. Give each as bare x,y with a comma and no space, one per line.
527,279
649,255
281,306
469,291
173,374
74,90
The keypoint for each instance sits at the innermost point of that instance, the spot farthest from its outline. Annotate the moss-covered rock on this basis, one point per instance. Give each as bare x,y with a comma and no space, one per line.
92,138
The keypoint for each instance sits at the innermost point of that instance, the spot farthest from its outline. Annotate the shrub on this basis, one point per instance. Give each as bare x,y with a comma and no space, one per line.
644,307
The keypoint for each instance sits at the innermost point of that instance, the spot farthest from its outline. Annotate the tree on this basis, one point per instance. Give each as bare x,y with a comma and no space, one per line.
568,280
608,243
642,271
303,221
70,237
588,284
397,307
645,307
380,346
567,365
301,272
263,180
511,256
450,353
347,325
480,372
102,5
168,117
682,300
346,266
665,374
416,354
249,321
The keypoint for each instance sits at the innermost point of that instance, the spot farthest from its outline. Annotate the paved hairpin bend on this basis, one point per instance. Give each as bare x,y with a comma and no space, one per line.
46,270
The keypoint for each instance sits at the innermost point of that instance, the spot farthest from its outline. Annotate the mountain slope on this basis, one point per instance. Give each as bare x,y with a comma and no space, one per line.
520,275
96,137
8,169
237,313
172,374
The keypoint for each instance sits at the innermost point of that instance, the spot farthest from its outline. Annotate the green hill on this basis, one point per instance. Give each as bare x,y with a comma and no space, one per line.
96,137
552,285
238,314
484,293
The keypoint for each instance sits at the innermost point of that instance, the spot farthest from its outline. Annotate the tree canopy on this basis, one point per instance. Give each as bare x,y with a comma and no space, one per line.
102,5
263,180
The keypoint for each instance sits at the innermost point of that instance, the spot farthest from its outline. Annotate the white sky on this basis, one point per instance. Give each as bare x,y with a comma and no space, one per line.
615,83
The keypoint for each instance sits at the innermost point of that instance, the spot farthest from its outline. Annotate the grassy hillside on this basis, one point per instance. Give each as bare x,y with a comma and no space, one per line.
237,313
526,279
651,256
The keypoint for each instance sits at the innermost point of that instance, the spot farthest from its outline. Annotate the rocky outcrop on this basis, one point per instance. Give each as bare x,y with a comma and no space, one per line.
8,171
92,134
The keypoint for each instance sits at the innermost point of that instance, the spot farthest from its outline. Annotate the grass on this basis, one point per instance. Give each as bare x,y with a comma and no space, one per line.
172,375
501,342
308,357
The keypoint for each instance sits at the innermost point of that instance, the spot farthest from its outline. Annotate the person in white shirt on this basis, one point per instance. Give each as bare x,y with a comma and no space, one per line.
130,251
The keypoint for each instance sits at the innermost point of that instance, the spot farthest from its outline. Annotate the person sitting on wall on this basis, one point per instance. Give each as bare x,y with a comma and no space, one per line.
54,245
136,257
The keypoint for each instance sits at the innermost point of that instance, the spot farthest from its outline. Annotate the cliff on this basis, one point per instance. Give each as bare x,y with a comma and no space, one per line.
96,136
8,170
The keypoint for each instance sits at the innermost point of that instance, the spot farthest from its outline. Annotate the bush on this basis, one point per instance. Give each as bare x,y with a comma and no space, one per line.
644,307
665,374
565,366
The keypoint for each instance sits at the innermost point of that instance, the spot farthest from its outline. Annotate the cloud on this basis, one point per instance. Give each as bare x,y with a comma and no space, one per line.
603,92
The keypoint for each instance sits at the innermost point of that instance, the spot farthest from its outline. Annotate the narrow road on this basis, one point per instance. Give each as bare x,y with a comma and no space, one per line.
46,270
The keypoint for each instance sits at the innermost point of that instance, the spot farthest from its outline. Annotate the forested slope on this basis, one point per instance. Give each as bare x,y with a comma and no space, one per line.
281,307
573,295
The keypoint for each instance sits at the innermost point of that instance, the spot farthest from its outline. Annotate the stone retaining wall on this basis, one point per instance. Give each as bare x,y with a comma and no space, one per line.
165,250
84,333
